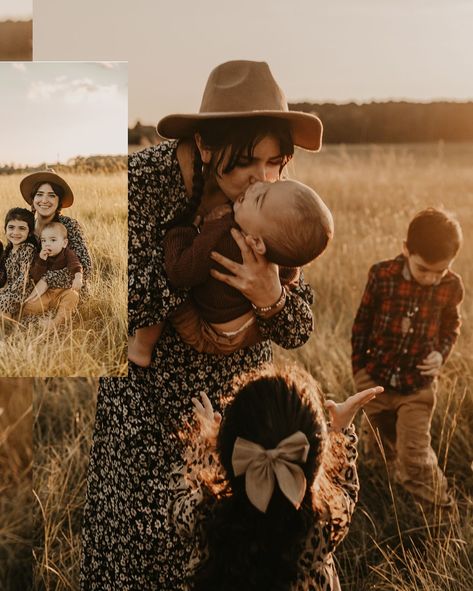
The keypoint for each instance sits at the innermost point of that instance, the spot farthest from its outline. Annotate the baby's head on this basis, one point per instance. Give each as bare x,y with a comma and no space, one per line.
269,407
433,240
289,222
19,225
54,238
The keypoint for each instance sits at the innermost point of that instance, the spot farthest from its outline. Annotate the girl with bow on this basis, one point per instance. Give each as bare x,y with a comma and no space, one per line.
267,494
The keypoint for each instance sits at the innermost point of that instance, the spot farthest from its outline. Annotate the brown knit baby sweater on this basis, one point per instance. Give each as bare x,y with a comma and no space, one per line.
188,263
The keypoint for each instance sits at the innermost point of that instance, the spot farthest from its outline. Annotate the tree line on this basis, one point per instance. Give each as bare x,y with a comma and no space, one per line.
383,122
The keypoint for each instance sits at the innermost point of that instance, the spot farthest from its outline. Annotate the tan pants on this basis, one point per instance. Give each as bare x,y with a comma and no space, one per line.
63,300
201,336
402,422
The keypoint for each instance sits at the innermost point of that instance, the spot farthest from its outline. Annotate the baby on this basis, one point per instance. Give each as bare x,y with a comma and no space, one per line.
54,255
286,221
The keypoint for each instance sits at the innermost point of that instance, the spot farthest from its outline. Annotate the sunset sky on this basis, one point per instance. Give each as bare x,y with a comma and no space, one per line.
16,9
320,51
51,112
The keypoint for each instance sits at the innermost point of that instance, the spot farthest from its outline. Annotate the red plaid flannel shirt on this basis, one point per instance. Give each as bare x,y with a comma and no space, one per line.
399,322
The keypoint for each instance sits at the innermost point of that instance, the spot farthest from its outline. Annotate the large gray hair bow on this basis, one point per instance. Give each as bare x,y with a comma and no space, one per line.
262,466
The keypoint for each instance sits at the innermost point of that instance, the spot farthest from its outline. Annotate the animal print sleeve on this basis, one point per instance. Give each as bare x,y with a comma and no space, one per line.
188,488
19,287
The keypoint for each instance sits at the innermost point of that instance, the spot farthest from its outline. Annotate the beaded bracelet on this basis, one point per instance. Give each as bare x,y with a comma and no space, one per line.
263,310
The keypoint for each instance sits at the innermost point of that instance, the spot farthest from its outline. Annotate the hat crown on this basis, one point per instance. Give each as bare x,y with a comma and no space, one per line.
242,86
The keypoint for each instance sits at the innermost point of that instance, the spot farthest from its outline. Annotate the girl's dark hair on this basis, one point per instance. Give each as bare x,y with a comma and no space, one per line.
231,138
58,190
248,549
23,215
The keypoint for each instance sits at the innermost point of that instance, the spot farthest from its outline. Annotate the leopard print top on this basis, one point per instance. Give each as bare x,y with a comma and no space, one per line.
189,507
18,285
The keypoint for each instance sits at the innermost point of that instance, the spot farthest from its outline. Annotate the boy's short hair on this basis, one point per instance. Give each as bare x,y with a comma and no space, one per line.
56,226
434,235
303,232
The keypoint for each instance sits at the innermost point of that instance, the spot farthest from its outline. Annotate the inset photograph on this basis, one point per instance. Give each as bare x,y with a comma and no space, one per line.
16,30
63,211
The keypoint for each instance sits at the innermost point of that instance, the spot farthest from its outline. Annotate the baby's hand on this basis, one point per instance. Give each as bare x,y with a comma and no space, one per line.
218,212
77,282
44,254
431,365
343,413
208,419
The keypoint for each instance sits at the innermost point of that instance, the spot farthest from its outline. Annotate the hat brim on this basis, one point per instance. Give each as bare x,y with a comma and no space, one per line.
29,182
306,129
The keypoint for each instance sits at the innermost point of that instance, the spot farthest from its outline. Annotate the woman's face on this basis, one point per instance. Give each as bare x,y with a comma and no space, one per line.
45,201
263,165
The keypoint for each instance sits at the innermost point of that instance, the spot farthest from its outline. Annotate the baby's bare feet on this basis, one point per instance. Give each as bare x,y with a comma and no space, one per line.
138,352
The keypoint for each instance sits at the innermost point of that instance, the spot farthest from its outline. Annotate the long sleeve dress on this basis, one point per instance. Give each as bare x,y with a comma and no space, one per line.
127,542
18,286
190,504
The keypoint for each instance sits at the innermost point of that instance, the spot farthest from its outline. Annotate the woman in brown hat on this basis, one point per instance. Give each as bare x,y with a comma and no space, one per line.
243,133
47,193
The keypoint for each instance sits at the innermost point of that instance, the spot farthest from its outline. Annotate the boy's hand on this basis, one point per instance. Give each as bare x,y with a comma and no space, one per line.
431,365
218,212
343,413
208,419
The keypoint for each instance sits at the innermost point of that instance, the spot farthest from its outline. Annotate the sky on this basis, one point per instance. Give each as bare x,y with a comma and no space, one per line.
16,10
321,51
50,112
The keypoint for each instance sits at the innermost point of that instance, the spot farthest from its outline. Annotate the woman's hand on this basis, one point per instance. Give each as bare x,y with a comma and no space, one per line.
343,413
256,278
208,419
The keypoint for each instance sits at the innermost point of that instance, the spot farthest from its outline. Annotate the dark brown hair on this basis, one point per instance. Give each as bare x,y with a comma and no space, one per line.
434,235
248,549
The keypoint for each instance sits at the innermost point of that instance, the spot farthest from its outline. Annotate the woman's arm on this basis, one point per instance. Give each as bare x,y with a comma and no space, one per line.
258,280
77,243
151,204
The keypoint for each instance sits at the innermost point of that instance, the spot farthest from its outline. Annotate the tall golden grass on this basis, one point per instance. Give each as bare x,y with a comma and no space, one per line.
15,484
96,344
392,544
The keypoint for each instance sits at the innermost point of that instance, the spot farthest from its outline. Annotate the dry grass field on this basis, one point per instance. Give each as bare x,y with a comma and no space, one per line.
16,41
96,345
16,498
392,545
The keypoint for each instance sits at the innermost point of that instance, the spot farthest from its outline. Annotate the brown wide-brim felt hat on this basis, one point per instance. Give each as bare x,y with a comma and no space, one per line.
244,89
45,176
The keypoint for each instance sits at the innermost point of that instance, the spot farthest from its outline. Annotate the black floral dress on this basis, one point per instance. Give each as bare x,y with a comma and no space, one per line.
127,541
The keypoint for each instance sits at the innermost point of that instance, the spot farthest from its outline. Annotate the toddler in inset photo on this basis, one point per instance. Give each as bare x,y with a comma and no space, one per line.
15,261
54,255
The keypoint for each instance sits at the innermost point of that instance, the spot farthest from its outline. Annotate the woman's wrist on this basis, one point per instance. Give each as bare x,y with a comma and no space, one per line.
271,309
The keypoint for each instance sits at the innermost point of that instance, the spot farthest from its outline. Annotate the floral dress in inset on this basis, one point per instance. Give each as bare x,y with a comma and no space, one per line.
190,504
18,285
127,542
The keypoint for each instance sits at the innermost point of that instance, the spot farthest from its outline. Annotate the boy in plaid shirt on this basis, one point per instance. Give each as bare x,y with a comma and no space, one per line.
404,330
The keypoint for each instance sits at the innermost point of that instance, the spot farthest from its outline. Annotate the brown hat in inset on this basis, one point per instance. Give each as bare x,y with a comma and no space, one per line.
244,89
45,176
